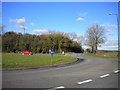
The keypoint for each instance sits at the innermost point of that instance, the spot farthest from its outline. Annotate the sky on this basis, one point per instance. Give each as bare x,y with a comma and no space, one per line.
77,17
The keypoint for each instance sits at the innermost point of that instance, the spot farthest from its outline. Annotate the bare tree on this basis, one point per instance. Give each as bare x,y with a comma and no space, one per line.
71,35
80,39
95,36
2,27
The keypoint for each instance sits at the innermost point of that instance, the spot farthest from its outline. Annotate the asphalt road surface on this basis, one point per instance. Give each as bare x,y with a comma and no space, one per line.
92,72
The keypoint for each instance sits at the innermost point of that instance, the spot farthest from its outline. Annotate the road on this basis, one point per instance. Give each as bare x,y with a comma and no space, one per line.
92,72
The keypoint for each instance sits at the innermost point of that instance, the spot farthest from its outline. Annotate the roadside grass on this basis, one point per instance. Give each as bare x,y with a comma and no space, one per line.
0,60
104,54
11,60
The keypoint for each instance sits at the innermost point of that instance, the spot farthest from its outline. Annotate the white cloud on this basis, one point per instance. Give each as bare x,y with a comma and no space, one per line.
16,31
32,24
40,31
21,27
80,36
109,45
109,25
108,30
109,33
109,48
85,47
80,19
18,21
102,25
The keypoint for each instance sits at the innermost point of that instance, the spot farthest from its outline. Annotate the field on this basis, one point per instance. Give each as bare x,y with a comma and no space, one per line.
104,54
11,60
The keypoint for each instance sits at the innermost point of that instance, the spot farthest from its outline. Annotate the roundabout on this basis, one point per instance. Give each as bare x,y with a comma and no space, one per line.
92,72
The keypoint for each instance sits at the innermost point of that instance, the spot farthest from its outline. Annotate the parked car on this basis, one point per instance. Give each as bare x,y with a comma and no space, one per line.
26,52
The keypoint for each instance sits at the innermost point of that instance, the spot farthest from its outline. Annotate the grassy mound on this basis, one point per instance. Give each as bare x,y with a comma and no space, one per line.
17,60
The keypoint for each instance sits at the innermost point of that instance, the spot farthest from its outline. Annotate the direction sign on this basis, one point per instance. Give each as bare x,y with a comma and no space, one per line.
52,52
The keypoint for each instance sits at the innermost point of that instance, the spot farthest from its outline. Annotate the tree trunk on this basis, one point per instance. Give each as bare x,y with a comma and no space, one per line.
92,49
95,48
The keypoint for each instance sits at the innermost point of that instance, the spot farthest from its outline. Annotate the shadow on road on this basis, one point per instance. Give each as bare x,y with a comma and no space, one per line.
79,60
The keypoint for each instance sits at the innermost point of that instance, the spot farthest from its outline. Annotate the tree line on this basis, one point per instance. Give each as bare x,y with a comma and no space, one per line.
57,41
17,42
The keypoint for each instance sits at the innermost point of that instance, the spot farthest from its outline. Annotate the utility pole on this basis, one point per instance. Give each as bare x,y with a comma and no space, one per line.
118,26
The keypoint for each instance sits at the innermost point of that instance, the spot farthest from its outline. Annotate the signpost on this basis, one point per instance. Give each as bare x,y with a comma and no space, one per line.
52,53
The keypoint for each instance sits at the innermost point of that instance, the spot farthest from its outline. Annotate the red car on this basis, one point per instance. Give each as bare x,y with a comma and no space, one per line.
25,52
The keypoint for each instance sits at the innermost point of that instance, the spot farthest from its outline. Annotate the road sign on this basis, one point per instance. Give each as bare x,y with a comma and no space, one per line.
52,52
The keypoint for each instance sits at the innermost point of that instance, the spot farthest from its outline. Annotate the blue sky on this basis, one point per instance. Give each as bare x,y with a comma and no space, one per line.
40,17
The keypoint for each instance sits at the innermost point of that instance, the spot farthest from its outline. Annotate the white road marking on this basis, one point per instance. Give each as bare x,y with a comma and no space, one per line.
106,75
59,87
116,71
86,81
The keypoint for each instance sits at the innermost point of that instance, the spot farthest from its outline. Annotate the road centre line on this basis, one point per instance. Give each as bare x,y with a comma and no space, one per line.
59,87
116,71
55,88
86,81
106,75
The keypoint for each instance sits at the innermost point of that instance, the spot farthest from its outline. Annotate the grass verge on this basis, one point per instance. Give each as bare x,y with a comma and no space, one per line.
10,60
104,55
